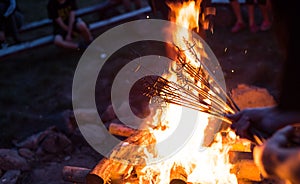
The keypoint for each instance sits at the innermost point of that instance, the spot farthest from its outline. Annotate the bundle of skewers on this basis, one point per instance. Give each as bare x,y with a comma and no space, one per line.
196,88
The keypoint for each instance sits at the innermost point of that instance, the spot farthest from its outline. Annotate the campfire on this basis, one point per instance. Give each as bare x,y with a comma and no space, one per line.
190,85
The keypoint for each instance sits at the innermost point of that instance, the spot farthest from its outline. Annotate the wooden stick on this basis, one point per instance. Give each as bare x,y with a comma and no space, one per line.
107,170
101,172
75,174
177,181
247,170
178,174
121,130
111,169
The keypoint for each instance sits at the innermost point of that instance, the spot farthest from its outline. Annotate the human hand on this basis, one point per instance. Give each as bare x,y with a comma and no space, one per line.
264,121
279,156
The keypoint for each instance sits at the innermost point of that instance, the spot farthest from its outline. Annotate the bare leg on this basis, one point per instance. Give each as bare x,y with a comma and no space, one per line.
251,15
269,7
239,24
237,11
251,18
59,41
84,31
13,28
266,24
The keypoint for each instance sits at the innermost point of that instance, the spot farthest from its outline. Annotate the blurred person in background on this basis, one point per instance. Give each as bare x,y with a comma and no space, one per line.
66,25
240,23
128,6
278,156
11,20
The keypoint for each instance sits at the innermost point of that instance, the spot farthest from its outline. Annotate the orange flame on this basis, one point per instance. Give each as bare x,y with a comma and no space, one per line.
186,14
199,165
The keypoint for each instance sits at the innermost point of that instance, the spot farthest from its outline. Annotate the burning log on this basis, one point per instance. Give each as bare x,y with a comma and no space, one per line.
241,157
192,86
121,130
242,146
101,173
177,181
247,170
178,175
108,170
75,174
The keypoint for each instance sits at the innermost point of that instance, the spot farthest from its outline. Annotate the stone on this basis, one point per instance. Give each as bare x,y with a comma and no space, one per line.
33,141
56,143
40,152
246,96
11,160
26,153
49,141
70,124
10,177
108,115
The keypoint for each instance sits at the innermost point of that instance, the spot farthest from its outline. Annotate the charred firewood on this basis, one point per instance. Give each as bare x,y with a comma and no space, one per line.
122,161
178,175
247,170
108,170
121,130
75,174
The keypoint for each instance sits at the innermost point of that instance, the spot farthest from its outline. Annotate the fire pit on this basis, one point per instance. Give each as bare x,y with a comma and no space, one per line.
223,161
212,153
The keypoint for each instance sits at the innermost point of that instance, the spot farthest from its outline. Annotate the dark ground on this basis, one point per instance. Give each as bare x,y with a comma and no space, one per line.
36,85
